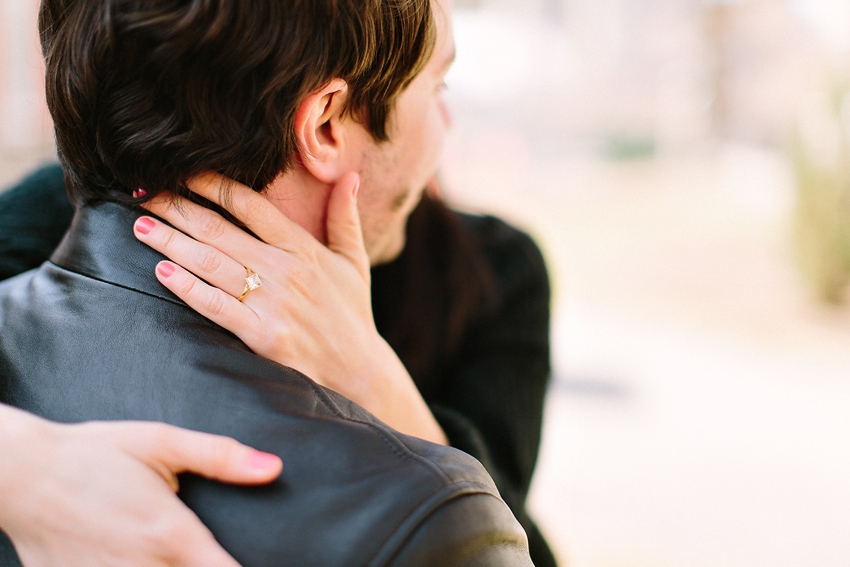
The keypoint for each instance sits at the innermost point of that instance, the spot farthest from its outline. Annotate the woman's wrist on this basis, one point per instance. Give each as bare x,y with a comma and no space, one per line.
22,434
393,397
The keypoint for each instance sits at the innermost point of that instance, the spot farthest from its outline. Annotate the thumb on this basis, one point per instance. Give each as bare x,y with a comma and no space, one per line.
172,450
345,236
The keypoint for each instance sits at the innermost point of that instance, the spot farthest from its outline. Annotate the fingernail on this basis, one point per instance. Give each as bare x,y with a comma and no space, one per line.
145,225
164,269
139,193
263,461
356,189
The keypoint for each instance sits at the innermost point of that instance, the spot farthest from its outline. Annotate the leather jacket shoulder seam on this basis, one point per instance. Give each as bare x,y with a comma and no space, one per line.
400,535
384,432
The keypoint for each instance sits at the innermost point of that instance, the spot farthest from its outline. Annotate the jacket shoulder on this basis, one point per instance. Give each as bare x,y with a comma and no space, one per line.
472,529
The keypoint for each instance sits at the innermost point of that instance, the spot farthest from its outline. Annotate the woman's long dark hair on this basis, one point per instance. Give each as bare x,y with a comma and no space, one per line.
424,300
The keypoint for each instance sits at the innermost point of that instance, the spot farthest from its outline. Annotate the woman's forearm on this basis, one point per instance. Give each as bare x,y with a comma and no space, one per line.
392,396
21,432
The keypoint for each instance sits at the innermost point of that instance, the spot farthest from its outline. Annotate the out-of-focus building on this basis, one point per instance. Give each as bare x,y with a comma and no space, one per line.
26,133
667,71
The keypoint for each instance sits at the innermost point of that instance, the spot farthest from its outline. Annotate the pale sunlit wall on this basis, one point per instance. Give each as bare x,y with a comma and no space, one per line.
25,129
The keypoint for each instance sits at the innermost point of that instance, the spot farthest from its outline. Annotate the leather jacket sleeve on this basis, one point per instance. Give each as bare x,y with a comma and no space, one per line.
475,530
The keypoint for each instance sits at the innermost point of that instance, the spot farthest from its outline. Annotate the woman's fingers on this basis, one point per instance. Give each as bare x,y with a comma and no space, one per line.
345,235
193,265
214,304
263,219
252,209
209,227
201,259
174,450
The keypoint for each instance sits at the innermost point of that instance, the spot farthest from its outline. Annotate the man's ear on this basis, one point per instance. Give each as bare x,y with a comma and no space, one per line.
320,131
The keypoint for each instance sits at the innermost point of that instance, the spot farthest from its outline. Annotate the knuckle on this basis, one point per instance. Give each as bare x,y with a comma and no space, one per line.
272,341
209,261
280,334
215,304
303,249
197,547
310,254
304,278
252,208
212,226
164,534
187,287
169,240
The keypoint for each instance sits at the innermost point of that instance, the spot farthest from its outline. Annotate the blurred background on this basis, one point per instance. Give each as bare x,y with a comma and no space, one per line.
685,166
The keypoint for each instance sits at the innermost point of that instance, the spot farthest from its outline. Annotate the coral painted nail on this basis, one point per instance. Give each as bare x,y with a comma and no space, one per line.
263,461
164,269
145,225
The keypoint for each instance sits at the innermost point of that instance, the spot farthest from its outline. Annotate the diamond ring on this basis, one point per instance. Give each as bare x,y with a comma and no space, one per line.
252,282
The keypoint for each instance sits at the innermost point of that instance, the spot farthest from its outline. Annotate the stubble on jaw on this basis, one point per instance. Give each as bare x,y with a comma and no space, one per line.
393,246
399,201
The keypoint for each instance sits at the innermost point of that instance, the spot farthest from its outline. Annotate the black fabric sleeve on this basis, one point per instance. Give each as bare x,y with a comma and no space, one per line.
492,402
471,531
34,215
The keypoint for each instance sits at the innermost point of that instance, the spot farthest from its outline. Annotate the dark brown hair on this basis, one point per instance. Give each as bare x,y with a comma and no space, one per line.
148,93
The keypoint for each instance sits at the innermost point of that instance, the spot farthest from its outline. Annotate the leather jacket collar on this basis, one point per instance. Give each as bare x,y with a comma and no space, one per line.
100,244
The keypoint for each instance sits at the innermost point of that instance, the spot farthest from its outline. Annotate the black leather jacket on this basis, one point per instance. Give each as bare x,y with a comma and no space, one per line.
93,335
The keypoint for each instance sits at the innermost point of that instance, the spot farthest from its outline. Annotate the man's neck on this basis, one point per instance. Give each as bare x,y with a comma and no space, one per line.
303,199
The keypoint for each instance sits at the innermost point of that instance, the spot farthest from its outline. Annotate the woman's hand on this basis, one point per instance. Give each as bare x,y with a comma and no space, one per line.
313,311
102,494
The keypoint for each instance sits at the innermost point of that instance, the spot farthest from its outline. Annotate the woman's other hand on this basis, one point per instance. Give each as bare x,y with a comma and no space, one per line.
313,311
102,494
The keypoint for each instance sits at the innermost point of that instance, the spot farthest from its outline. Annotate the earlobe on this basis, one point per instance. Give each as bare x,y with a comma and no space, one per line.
319,130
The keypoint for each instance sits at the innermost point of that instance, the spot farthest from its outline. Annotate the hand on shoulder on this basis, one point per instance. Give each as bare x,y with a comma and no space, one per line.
102,494
312,311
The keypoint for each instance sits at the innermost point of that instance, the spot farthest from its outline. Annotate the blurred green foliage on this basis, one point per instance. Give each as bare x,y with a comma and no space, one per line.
623,147
821,158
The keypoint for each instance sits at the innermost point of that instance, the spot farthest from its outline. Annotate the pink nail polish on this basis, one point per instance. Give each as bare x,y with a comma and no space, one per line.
145,225
139,193
165,269
263,461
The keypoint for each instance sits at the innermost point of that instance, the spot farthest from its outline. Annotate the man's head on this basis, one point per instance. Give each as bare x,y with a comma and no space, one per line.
148,93
393,172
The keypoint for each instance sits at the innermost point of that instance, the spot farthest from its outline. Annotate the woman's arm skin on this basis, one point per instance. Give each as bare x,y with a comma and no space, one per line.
102,494
313,311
